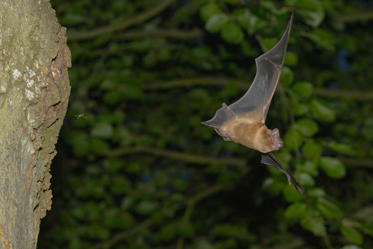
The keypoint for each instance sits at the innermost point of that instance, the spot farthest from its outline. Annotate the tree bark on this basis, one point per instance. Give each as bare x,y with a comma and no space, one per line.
34,91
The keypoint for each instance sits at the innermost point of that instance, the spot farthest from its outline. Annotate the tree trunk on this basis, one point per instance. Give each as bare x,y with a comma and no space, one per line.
34,91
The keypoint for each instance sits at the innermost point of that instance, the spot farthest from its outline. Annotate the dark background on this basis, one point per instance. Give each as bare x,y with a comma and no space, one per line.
136,169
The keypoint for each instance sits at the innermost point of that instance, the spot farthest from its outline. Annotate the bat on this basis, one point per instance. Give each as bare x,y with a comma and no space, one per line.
243,121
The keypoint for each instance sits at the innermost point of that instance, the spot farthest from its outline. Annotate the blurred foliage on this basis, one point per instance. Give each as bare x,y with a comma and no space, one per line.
136,169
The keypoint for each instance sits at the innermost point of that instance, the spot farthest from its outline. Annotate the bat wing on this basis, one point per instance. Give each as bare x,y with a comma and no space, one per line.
269,66
259,96
270,159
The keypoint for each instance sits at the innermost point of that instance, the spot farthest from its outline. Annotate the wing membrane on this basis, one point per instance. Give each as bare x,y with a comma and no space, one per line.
259,95
269,66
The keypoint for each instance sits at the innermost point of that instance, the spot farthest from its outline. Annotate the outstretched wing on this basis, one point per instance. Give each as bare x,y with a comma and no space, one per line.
269,66
271,160
258,97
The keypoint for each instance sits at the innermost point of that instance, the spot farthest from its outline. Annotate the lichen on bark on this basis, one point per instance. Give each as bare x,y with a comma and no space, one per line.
34,91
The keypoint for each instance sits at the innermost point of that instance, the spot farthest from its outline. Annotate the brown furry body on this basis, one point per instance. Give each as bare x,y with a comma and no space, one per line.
250,131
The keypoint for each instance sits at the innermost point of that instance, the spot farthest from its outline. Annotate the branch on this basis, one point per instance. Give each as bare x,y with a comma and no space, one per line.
168,33
120,24
192,202
196,81
323,92
190,158
125,234
193,158
150,221
365,15
357,162
350,94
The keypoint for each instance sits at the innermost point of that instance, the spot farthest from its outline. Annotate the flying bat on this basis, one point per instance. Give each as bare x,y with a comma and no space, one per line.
243,121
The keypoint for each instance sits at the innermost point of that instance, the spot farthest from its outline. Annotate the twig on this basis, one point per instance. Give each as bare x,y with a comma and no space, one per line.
192,203
323,92
120,236
357,162
121,24
167,33
190,158
357,16
350,94
150,222
327,241
197,159
196,81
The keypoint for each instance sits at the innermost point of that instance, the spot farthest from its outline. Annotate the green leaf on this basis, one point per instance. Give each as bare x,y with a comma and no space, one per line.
328,209
274,187
345,149
287,76
352,235
291,59
303,89
243,17
120,184
308,167
291,194
322,112
254,24
208,10
146,207
186,229
333,167
284,156
316,193
203,244
99,147
231,230
366,227
113,97
125,220
102,130
322,38
307,127
300,109
311,149
312,11
232,33
269,43
269,6
167,232
351,247
297,210
232,1
305,179
79,142
314,224
216,22
292,139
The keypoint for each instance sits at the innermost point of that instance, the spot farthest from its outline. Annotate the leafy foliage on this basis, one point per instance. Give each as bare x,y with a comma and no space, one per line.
136,169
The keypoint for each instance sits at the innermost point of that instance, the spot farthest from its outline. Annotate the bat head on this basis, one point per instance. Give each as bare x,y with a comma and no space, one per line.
267,140
277,142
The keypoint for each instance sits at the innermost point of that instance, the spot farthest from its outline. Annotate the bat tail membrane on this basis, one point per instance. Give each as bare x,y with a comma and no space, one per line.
277,54
271,160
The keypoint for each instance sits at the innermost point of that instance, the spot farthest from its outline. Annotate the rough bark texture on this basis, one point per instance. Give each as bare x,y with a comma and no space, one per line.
34,91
